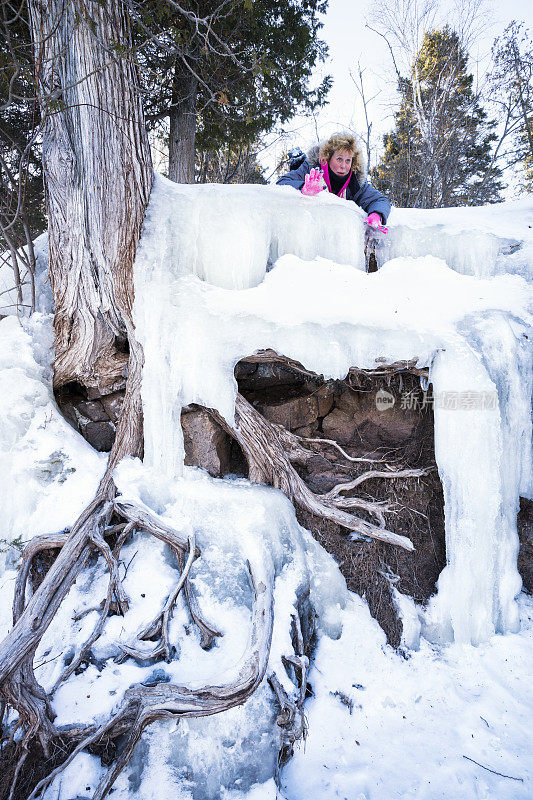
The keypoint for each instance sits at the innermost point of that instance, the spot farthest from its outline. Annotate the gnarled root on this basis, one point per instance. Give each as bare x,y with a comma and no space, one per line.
270,451
143,705
103,527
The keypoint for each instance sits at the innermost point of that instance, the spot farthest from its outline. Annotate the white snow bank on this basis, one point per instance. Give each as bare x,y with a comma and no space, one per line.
234,523
49,473
480,241
383,727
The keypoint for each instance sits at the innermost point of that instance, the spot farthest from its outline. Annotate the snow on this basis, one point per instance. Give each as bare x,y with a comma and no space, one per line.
416,721
483,241
49,473
214,752
222,272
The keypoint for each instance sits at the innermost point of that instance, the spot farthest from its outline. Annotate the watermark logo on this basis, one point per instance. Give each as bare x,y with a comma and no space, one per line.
384,400
417,400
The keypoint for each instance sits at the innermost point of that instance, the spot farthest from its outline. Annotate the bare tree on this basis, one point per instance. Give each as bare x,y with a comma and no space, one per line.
357,77
511,84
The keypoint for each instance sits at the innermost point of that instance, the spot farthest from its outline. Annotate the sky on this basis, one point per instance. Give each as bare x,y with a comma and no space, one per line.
350,42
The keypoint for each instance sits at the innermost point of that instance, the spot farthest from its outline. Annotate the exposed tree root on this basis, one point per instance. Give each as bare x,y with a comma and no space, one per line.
143,705
33,613
271,450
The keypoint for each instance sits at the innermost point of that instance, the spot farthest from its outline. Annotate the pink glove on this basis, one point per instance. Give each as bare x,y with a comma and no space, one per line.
314,183
375,221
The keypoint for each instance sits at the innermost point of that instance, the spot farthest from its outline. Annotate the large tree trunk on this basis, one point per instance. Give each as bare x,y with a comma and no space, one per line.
181,147
98,176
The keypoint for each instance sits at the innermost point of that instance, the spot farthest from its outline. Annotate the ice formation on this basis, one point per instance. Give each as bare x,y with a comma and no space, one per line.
330,316
222,272
229,235
484,241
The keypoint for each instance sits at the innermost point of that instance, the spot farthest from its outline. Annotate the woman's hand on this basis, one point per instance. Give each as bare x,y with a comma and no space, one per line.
375,221
314,183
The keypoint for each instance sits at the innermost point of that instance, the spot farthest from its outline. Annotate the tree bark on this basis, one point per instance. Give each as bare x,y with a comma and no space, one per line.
98,176
182,139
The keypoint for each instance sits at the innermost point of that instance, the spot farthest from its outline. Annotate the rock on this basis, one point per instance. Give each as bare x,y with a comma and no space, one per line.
93,410
207,445
270,373
378,426
113,405
340,426
244,369
100,435
353,403
318,463
325,396
69,412
293,413
307,431
322,482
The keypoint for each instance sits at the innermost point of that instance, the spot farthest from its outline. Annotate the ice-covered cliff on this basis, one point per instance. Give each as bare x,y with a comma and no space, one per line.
222,272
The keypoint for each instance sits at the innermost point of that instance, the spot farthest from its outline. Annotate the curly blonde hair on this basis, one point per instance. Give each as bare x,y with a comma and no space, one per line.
339,141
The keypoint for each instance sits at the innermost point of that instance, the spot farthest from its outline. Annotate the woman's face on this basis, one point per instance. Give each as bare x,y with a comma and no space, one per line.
340,162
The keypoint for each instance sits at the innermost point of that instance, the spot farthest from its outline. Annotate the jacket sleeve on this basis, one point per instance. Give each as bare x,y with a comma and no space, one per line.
296,177
371,200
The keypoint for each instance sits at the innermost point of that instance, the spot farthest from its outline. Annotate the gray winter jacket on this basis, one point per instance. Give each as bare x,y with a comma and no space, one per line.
359,189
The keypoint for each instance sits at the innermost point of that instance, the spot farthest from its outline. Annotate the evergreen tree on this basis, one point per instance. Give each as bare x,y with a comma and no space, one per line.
229,164
439,153
215,96
20,152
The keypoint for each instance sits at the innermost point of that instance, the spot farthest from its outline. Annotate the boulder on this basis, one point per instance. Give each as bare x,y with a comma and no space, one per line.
325,396
340,426
307,432
113,405
292,413
100,435
207,445
93,410
379,425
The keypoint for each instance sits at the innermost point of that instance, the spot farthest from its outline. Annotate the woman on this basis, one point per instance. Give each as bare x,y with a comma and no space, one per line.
338,166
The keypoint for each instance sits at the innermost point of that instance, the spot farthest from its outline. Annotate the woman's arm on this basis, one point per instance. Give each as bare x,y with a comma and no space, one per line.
296,177
372,201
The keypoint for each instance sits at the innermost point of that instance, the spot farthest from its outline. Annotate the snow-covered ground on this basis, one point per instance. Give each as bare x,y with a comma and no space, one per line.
212,287
381,727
